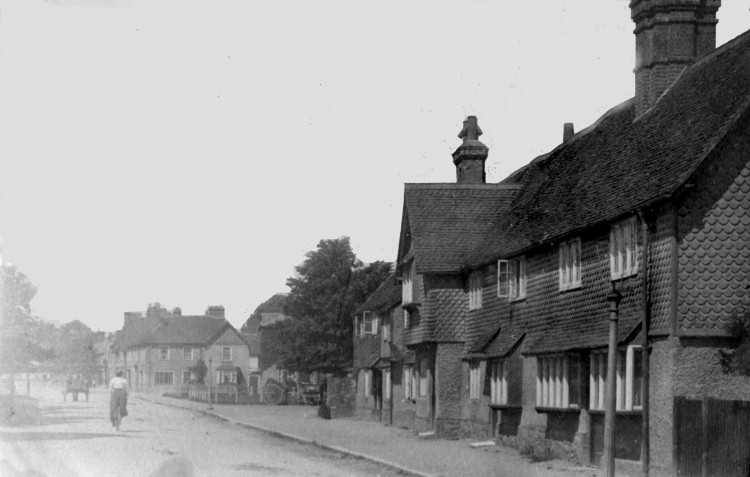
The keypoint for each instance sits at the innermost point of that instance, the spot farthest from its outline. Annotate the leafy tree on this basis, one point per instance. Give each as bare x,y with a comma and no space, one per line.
199,370
75,350
328,286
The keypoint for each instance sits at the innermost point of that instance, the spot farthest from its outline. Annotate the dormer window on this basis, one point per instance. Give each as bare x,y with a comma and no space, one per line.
475,291
570,264
623,248
511,279
407,283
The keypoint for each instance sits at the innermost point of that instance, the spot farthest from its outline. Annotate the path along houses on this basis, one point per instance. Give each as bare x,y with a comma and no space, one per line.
503,315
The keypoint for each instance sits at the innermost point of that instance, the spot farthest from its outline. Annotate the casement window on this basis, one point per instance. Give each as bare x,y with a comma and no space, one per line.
407,379
623,248
254,363
387,383
475,291
407,283
498,382
187,353
163,377
163,353
570,264
407,319
423,371
369,324
558,381
226,353
474,380
226,376
629,396
511,278
386,331
367,382
185,377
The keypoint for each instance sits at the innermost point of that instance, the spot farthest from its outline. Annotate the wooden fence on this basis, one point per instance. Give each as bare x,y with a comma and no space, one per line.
712,437
222,393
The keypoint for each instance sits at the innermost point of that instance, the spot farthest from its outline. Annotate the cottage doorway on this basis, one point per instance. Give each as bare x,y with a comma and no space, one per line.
377,391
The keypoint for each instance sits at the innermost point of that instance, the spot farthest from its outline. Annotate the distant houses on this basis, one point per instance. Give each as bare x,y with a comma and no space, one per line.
161,349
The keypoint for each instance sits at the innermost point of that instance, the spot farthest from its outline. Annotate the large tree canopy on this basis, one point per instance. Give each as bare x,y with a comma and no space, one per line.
16,345
327,288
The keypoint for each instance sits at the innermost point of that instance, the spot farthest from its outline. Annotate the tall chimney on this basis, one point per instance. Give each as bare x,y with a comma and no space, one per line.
470,156
568,131
669,35
215,312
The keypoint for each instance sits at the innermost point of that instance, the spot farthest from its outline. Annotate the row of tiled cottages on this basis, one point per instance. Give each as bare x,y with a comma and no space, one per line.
516,346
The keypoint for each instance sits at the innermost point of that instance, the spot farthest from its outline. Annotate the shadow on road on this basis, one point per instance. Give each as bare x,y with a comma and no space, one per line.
52,436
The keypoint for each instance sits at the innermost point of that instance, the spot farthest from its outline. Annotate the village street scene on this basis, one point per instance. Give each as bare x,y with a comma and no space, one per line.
265,240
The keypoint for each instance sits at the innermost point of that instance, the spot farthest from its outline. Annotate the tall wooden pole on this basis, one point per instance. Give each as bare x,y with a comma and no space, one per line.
613,298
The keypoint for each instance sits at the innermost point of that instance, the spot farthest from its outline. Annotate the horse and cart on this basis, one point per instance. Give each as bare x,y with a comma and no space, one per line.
75,385
291,392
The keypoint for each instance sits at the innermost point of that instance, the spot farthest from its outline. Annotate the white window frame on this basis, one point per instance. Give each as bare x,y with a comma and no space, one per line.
553,381
569,269
407,319
184,354
386,331
623,248
163,373
625,386
407,283
498,370
408,381
223,353
369,323
367,382
511,279
387,383
475,382
163,353
475,290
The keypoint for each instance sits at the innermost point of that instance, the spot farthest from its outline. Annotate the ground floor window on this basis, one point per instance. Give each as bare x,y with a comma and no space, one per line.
407,380
163,377
367,382
498,382
423,372
387,383
558,381
474,380
629,396
226,376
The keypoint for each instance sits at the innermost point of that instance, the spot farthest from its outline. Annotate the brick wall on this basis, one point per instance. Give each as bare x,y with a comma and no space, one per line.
661,402
448,384
341,395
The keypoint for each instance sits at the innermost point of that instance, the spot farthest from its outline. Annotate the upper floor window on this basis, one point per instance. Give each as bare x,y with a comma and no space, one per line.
226,353
163,352
407,283
474,380
623,245
369,323
629,396
558,382
511,278
570,264
254,364
498,382
187,353
475,291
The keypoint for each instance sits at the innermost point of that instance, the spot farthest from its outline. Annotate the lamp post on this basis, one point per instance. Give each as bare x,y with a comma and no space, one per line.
613,298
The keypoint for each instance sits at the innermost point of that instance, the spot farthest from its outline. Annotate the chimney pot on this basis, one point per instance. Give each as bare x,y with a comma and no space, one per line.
471,155
568,131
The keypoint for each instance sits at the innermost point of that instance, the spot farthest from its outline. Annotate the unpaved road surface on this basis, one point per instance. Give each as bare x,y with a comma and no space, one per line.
76,439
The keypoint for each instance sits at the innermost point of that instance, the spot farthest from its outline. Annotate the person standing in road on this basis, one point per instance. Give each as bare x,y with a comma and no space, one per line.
118,396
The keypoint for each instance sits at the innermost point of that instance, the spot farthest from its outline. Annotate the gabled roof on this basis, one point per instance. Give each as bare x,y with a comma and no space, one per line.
443,222
622,163
199,330
385,297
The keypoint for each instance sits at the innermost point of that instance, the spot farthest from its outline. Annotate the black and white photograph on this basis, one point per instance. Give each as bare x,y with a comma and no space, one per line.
357,238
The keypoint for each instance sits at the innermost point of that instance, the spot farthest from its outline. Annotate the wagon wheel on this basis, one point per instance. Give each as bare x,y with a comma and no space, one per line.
273,393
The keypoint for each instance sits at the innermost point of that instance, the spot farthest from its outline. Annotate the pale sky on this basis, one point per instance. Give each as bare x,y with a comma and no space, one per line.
191,152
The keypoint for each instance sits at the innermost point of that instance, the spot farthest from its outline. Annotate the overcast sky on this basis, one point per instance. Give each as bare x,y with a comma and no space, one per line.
191,152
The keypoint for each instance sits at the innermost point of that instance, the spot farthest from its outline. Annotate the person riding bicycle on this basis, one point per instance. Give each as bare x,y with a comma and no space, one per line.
118,398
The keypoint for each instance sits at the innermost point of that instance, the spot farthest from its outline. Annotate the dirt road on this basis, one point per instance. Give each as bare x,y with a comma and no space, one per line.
76,439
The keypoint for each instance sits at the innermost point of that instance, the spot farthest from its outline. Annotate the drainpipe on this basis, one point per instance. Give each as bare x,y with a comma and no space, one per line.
645,325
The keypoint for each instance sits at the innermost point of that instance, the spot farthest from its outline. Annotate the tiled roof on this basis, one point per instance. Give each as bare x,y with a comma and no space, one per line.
385,297
446,221
134,332
186,330
446,314
622,163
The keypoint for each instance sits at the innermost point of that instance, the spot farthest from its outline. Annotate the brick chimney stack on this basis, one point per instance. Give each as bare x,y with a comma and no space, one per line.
215,312
669,35
470,156
568,131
